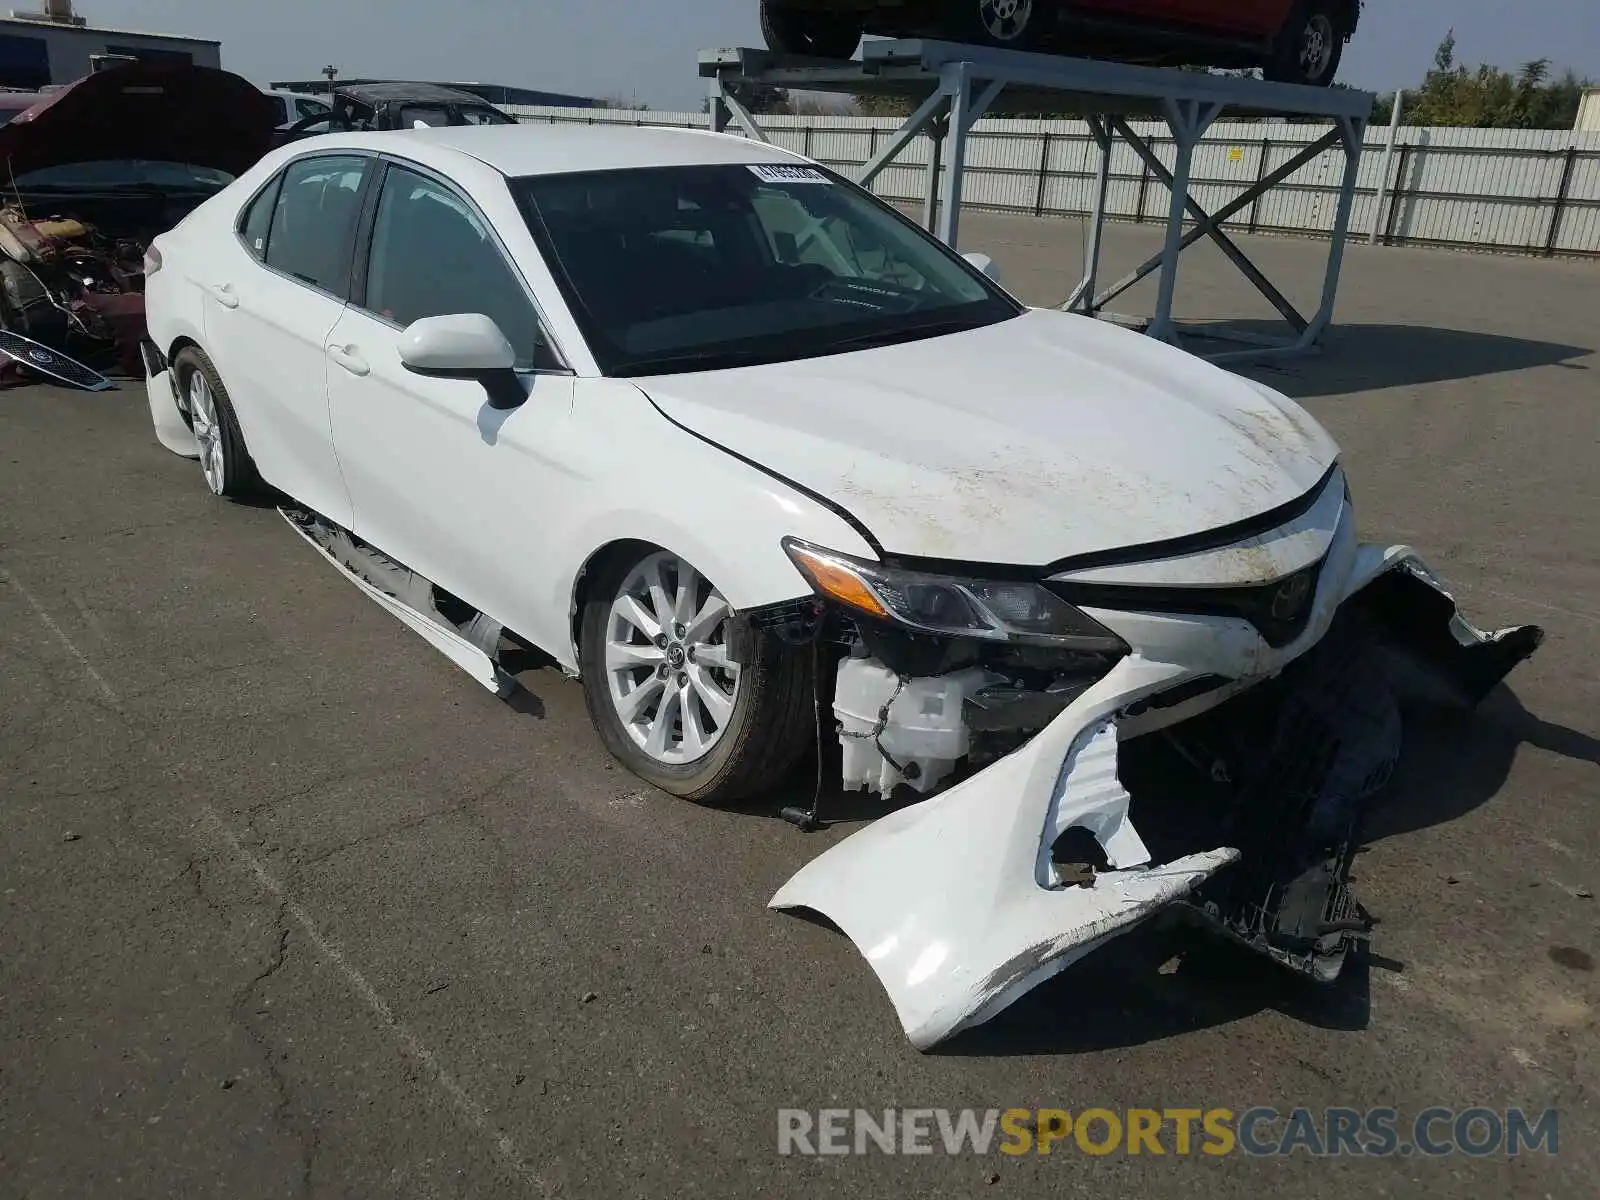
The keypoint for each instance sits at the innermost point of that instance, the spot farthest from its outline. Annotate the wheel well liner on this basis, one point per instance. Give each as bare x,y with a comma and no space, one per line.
594,565
179,345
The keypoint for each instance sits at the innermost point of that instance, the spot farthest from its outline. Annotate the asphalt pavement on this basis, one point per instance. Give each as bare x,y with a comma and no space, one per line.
290,907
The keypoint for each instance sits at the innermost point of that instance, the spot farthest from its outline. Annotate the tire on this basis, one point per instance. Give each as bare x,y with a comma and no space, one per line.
225,463
1308,48
1006,24
816,33
769,721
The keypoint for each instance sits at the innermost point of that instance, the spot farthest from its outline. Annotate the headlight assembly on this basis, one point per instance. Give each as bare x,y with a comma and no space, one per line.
1017,611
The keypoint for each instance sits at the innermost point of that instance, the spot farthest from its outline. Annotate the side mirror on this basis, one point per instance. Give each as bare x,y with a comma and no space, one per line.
984,263
464,346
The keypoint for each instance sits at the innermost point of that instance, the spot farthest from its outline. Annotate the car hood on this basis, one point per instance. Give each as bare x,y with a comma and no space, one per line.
1027,442
158,112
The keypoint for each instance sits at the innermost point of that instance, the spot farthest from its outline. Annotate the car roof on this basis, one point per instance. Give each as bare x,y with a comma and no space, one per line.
550,149
399,90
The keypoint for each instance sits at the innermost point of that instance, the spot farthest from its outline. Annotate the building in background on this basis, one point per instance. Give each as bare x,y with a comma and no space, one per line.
494,93
55,45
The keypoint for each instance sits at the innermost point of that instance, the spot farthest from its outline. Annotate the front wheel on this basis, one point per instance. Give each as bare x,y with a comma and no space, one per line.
667,694
1308,47
817,33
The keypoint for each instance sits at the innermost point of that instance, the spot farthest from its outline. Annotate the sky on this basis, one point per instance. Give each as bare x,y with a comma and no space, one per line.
645,49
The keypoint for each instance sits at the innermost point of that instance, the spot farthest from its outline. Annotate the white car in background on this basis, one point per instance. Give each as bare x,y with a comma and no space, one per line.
736,443
291,107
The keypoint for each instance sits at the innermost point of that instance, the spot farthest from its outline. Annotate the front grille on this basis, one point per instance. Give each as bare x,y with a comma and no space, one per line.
52,363
1278,610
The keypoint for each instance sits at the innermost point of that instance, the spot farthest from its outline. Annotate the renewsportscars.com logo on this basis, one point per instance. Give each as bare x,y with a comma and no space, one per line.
1258,1131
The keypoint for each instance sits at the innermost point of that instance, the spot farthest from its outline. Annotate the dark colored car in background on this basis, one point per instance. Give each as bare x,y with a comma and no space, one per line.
396,105
14,104
93,172
1291,41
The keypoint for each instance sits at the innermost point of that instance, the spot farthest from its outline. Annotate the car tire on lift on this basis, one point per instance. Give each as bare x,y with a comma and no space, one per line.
772,719
1308,48
1004,24
816,33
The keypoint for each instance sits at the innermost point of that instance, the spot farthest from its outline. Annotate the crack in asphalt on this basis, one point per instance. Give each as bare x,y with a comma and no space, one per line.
301,1127
467,1109
142,744
461,807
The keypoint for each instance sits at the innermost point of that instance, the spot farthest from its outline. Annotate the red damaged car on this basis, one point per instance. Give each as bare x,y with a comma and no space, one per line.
93,172
1291,41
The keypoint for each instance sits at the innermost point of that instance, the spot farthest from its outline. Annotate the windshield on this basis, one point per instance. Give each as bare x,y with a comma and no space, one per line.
125,174
700,267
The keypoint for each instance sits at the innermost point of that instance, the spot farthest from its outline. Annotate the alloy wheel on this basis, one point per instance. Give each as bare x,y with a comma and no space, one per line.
1005,20
1316,47
207,431
668,672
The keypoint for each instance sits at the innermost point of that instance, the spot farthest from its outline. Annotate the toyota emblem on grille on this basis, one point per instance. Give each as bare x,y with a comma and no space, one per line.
1290,597
41,356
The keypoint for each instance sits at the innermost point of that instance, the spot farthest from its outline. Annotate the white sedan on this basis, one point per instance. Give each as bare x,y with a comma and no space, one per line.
735,443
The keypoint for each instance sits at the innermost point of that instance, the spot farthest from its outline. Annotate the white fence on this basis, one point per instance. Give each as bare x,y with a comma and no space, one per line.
1526,191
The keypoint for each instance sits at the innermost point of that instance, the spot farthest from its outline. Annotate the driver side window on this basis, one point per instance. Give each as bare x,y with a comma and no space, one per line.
433,256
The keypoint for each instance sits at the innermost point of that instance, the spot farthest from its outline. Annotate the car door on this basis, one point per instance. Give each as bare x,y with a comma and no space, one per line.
441,480
274,296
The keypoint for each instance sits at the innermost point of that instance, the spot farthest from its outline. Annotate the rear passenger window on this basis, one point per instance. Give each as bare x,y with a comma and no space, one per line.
314,220
258,217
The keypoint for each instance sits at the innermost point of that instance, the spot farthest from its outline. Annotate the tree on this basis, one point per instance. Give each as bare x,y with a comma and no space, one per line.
884,106
1486,97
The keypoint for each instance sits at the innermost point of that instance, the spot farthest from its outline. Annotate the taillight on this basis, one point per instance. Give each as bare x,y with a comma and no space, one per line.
152,261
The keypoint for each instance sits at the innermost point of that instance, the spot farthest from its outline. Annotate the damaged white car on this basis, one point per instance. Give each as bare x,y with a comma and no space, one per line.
740,446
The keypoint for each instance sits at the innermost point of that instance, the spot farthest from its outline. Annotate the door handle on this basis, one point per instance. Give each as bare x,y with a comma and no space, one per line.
350,359
224,295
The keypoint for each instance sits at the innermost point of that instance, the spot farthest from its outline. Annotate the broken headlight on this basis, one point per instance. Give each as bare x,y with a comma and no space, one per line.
1017,611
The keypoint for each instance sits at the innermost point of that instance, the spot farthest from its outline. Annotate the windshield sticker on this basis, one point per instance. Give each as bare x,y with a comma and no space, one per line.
772,173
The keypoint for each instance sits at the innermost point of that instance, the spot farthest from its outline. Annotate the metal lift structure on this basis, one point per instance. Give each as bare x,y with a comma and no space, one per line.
953,85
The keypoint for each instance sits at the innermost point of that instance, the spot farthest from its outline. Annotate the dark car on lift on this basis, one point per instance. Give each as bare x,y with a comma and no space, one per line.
1290,41
395,105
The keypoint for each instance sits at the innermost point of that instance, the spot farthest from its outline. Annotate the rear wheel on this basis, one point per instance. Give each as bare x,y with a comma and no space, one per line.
666,693
1308,47
819,33
226,464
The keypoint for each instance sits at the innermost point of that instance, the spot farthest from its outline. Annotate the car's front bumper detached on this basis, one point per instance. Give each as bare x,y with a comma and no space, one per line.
1243,811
